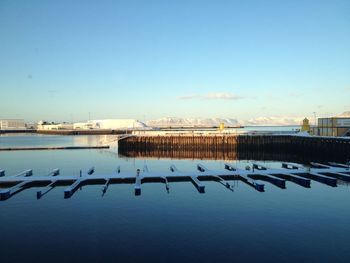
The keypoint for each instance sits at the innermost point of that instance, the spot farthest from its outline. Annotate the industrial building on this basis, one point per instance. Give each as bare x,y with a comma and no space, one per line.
107,124
43,125
117,124
82,126
333,126
110,124
12,124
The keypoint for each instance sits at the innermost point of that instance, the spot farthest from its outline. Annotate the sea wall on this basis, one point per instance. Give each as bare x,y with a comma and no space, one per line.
233,147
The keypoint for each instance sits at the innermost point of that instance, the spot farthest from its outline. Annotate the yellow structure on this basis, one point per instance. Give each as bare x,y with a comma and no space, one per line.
222,126
306,125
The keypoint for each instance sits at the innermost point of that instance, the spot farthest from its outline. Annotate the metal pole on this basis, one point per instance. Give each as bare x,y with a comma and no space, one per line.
315,118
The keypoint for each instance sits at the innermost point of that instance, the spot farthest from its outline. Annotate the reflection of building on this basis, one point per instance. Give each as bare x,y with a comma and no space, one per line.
334,126
43,125
12,124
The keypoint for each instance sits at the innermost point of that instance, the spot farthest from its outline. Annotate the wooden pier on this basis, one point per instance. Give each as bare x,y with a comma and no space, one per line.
233,147
254,176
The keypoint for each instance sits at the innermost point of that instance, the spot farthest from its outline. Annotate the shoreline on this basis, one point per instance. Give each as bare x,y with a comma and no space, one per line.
67,132
53,148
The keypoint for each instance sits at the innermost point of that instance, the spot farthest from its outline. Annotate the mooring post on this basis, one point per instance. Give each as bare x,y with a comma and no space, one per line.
68,192
289,166
200,187
229,167
258,167
25,173
223,182
340,165
138,183
49,187
338,175
173,168
167,187
91,171
54,172
105,186
7,193
201,168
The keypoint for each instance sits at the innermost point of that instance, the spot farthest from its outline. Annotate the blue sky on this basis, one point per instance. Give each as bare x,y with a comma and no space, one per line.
60,60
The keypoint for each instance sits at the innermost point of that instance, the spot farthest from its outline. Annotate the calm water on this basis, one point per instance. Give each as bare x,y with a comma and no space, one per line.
292,225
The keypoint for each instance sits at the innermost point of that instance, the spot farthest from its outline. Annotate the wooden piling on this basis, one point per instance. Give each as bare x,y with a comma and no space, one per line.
232,147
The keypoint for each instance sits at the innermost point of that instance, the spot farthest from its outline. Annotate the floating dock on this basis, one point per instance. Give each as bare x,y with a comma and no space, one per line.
253,176
53,148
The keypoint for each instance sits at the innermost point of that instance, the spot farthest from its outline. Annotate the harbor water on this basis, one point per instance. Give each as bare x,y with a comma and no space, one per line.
295,224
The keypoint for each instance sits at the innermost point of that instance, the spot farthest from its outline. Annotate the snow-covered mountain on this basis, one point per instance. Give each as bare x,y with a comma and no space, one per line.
275,120
191,122
228,122
345,114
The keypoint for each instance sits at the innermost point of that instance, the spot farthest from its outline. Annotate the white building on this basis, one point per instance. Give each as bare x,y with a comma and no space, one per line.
12,124
112,124
82,126
43,125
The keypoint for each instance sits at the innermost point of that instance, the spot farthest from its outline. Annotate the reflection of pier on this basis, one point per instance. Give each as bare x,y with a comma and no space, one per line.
327,174
232,147
232,155
179,154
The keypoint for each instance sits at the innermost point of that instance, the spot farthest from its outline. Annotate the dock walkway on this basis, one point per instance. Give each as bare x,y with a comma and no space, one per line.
327,174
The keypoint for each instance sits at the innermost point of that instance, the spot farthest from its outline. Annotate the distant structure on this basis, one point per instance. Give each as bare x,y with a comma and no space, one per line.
107,124
83,126
333,126
12,124
178,123
47,126
306,125
111,124
118,124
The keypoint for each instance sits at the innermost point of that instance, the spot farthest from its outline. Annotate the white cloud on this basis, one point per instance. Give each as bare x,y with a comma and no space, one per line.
295,94
211,96
188,97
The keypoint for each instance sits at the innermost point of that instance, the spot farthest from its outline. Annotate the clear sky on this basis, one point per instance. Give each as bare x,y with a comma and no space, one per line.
60,60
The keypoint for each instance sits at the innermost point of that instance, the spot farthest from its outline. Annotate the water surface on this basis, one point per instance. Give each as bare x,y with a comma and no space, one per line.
292,225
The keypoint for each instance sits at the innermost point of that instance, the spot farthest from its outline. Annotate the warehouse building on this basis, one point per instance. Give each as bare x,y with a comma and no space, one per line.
12,124
333,126
46,126
112,124
116,124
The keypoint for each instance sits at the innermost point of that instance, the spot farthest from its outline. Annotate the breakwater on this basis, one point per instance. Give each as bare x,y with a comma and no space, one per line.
53,148
232,147
82,132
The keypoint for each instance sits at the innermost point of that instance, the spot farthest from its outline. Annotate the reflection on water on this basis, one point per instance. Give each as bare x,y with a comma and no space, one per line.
13,140
293,225
237,154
